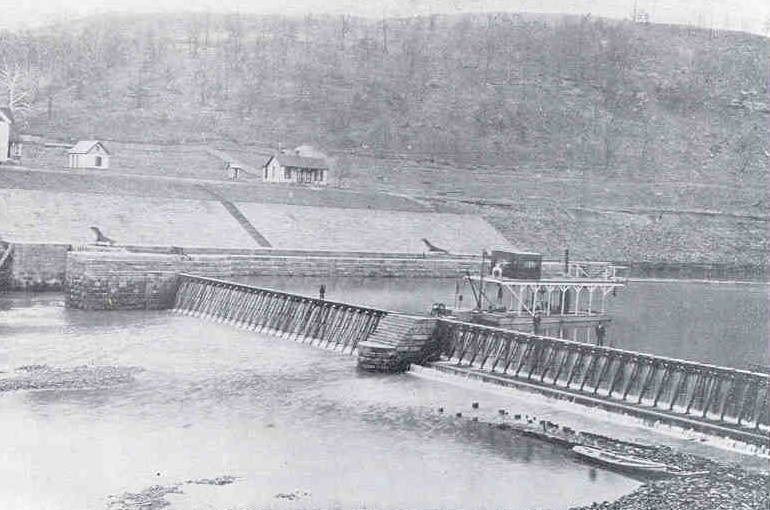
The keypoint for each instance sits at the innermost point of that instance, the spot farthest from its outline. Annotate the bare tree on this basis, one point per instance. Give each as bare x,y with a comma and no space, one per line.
345,30
139,91
193,37
17,87
490,38
384,35
232,48
203,81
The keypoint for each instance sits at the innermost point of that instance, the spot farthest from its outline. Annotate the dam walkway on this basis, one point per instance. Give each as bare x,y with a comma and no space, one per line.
717,400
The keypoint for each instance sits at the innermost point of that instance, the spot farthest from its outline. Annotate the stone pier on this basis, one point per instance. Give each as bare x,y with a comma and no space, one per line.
398,341
99,281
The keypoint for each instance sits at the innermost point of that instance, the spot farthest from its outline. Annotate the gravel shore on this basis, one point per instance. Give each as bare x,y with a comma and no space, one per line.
715,486
43,377
721,487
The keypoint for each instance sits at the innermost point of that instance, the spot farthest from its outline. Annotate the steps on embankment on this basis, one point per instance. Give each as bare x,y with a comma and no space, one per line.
247,226
239,217
398,341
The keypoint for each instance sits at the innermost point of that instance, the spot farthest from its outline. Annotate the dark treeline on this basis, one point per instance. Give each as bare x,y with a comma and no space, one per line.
525,92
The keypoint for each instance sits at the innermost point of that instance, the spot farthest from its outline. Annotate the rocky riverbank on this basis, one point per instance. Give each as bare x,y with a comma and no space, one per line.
712,486
730,489
717,486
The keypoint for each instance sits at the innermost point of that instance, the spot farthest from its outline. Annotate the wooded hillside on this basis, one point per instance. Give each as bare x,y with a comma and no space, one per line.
549,96
557,93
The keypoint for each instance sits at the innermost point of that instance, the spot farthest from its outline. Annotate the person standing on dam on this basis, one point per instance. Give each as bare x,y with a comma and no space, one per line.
536,323
322,292
601,332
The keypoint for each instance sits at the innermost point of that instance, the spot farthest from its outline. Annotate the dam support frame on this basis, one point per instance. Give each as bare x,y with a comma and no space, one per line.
716,400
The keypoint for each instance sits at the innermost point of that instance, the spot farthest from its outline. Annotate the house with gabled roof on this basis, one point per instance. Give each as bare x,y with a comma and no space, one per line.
89,154
296,168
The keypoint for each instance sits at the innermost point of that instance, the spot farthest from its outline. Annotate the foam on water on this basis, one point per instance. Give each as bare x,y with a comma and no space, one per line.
599,421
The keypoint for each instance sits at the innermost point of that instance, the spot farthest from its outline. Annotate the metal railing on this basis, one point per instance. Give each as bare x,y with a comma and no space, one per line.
319,322
708,392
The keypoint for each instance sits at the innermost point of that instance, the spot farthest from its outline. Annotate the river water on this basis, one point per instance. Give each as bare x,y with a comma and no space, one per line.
720,323
126,410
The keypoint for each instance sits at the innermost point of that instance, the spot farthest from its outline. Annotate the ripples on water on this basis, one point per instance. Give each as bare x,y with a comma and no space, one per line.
297,426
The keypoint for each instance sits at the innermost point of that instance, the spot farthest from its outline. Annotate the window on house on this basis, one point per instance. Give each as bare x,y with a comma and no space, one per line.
265,172
287,173
98,161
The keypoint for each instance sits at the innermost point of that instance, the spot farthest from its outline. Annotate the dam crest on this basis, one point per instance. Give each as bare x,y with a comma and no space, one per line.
708,398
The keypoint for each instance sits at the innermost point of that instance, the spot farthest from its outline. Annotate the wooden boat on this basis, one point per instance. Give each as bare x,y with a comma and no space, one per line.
672,471
631,464
618,461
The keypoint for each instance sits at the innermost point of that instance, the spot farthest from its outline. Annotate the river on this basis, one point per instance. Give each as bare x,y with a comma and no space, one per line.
720,323
118,410
125,410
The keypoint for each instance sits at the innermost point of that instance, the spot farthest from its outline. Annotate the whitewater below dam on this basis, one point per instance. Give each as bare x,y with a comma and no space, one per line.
122,410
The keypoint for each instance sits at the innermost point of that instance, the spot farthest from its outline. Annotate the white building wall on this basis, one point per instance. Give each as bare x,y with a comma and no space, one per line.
5,134
277,173
88,160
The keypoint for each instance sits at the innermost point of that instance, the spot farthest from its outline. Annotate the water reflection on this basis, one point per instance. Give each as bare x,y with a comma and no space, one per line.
724,324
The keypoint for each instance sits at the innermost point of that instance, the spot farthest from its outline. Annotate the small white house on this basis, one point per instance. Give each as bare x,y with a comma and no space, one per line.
296,168
10,143
89,154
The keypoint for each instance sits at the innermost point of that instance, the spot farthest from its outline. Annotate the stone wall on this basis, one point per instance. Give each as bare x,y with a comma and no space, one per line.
97,281
37,266
118,280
